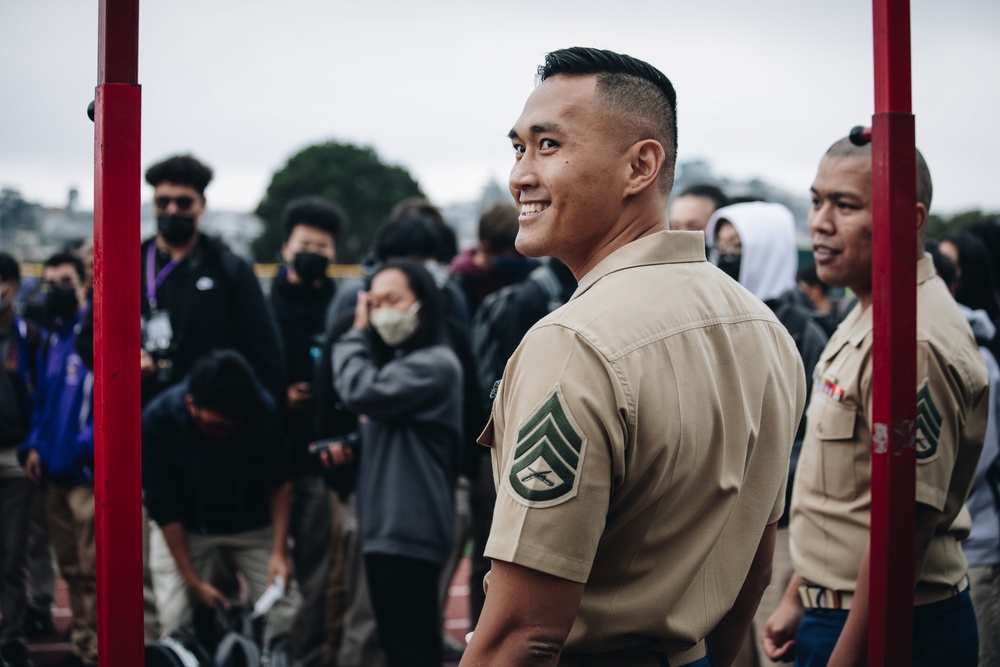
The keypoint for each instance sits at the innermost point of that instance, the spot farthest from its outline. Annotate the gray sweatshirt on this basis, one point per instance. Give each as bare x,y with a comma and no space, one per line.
409,445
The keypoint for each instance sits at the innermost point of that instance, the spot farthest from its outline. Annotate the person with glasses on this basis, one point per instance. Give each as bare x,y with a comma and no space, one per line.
197,296
60,450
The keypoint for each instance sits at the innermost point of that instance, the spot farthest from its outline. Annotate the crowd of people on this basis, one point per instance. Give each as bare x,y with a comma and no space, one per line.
652,458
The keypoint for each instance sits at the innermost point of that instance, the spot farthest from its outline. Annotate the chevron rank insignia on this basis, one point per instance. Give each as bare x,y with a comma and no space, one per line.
544,469
928,424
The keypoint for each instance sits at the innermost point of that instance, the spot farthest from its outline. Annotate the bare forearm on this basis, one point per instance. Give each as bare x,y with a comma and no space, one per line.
729,635
173,534
281,507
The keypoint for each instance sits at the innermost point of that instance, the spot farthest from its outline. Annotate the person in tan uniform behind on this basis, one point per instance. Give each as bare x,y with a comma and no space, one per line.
640,435
824,615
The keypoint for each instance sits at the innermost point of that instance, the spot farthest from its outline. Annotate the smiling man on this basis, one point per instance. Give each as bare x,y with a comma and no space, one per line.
823,618
639,459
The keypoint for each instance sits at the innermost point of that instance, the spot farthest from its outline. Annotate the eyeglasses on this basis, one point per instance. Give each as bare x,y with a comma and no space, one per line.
183,202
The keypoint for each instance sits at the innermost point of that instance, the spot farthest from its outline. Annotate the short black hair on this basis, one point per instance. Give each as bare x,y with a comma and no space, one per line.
314,211
629,87
706,191
419,206
9,269
413,234
925,187
61,258
808,275
433,320
223,382
988,231
182,170
498,226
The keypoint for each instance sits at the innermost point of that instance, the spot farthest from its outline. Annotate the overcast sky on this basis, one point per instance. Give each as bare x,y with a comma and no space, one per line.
763,87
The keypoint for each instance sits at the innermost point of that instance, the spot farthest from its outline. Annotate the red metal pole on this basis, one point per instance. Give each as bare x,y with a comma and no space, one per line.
894,248
117,430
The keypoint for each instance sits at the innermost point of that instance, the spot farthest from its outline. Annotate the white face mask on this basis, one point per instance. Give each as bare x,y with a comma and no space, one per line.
395,326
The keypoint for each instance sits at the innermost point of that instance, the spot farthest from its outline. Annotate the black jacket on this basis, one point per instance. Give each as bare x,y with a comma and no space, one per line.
299,313
211,487
214,301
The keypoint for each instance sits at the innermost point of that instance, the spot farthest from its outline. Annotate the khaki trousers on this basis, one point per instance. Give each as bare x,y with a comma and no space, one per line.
71,530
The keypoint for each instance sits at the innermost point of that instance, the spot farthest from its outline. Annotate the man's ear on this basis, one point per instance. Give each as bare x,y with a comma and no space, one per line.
646,160
921,218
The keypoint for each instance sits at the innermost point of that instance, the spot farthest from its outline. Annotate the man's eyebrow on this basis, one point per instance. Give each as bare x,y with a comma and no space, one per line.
839,195
545,128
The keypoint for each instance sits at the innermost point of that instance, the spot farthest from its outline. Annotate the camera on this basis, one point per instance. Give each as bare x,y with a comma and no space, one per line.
350,441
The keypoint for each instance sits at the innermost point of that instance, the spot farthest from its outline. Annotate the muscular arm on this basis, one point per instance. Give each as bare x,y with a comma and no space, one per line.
526,619
852,647
727,637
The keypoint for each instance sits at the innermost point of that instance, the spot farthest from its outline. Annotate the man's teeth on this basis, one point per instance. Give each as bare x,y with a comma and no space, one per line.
533,208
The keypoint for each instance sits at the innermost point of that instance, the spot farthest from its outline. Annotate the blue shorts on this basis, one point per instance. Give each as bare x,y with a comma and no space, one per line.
944,633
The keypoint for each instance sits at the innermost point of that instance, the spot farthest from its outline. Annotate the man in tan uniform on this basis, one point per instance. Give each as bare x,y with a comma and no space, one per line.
823,617
640,435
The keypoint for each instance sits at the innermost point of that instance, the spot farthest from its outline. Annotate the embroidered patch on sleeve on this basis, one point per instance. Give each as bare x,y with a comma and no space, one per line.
928,424
545,467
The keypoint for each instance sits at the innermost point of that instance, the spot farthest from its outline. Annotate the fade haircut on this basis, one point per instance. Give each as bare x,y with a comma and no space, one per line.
925,188
182,170
498,227
626,86
313,211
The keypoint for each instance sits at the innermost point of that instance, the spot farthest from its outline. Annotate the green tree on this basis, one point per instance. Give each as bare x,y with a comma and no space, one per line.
352,177
940,226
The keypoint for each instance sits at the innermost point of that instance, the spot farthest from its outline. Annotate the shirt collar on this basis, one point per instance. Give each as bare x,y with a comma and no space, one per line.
666,247
925,269
863,324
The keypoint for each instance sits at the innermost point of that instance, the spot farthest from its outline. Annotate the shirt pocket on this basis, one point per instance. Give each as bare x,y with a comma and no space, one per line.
838,449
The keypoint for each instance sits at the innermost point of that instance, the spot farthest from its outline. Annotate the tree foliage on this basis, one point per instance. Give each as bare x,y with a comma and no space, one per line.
353,177
939,226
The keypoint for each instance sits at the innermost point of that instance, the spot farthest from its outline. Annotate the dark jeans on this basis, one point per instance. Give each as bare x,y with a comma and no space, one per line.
944,633
404,599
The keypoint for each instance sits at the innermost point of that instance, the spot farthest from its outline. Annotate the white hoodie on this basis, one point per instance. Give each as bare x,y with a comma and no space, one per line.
770,258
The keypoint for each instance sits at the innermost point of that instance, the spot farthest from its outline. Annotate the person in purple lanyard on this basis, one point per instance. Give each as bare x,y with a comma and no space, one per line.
197,295
60,449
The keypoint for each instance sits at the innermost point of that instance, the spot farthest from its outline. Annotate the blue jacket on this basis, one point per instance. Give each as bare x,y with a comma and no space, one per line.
62,425
23,364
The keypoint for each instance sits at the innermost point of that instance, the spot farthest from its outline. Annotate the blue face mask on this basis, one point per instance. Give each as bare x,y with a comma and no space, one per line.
512,269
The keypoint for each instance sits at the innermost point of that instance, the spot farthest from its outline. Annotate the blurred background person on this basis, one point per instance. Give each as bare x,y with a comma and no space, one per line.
974,278
60,450
300,295
692,208
396,369
21,352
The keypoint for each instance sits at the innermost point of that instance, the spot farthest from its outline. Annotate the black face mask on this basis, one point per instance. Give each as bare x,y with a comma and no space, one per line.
730,265
175,229
62,303
310,266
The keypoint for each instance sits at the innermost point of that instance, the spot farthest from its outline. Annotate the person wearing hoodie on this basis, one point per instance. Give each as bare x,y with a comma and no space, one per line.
754,243
60,450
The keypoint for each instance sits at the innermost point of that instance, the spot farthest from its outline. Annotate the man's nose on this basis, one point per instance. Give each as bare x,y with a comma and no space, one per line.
522,174
821,219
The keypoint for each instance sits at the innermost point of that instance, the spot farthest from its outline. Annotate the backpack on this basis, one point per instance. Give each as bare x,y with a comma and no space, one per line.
492,313
172,652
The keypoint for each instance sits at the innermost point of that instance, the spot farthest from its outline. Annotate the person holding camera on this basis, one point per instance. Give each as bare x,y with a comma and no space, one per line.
216,476
396,369
197,295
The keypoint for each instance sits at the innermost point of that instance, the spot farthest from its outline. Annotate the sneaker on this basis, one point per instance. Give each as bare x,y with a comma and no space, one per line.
38,623
15,654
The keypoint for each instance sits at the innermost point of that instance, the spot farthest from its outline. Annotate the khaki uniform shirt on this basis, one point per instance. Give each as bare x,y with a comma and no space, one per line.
831,501
641,437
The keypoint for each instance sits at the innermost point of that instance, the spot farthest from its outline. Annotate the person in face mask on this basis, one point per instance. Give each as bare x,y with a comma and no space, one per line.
395,368
60,447
300,295
216,480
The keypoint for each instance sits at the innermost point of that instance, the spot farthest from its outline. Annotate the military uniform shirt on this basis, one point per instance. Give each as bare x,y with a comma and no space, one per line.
831,501
640,438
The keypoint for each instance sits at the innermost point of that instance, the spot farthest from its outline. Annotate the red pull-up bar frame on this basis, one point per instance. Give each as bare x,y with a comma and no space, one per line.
894,351
117,405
